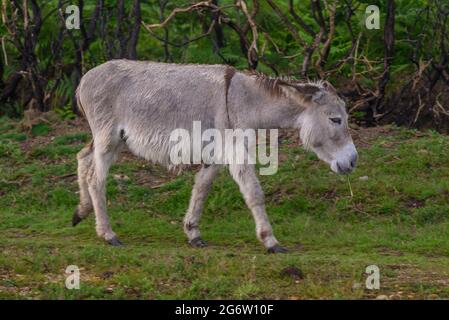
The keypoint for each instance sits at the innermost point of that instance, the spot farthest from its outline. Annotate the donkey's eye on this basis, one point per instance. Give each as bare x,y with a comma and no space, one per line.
335,120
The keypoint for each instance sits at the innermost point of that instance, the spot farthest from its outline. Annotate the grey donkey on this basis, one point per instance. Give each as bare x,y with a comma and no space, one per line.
138,104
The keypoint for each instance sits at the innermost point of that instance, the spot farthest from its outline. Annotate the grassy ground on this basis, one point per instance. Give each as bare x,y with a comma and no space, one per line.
396,219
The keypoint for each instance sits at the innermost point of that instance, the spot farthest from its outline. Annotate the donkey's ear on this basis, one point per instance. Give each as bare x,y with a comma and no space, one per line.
307,89
329,87
309,92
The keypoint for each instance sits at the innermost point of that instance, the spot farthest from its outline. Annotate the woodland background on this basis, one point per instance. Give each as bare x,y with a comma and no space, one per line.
398,73
393,211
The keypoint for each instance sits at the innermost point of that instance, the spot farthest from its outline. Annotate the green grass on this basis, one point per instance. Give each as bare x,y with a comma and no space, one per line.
40,129
397,219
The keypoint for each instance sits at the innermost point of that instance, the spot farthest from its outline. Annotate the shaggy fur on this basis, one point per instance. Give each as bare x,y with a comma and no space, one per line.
138,105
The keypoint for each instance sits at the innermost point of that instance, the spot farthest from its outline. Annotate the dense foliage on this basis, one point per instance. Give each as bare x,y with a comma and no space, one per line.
399,72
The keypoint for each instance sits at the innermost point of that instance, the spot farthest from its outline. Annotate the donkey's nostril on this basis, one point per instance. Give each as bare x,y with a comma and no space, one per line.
340,168
343,169
353,160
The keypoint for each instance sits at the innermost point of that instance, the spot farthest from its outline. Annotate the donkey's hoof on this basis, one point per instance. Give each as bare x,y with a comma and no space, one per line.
76,218
278,249
115,242
198,243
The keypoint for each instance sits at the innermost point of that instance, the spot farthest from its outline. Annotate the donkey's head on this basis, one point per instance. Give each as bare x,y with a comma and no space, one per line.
324,126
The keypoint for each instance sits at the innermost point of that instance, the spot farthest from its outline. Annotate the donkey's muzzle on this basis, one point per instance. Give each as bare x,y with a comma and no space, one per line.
342,169
345,164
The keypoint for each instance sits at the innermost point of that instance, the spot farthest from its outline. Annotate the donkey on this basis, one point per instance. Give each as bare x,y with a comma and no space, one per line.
138,104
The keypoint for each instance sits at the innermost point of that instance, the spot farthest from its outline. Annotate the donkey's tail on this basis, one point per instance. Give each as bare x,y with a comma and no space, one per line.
83,113
78,101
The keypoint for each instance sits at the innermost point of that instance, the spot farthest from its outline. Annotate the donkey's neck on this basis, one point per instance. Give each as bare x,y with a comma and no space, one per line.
254,107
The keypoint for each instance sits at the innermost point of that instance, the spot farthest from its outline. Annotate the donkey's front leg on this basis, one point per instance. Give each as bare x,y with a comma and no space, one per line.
203,182
249,186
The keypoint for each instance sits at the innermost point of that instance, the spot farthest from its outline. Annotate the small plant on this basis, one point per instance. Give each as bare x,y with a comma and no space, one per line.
66,113
40,129
358,115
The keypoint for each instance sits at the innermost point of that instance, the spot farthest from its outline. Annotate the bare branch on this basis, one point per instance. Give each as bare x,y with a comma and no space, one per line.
196,6
252,51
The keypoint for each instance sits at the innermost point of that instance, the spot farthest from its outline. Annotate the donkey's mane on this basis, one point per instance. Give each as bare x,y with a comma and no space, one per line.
273,85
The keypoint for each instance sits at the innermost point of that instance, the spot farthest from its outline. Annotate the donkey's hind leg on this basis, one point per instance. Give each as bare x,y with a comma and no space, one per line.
85,168
103,157
203,182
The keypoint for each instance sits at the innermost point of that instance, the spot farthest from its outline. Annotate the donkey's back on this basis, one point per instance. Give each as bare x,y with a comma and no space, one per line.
141,103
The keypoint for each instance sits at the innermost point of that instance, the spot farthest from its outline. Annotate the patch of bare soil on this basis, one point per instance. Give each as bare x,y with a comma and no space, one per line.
59,128
364,137
292,272
389,251
413,203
